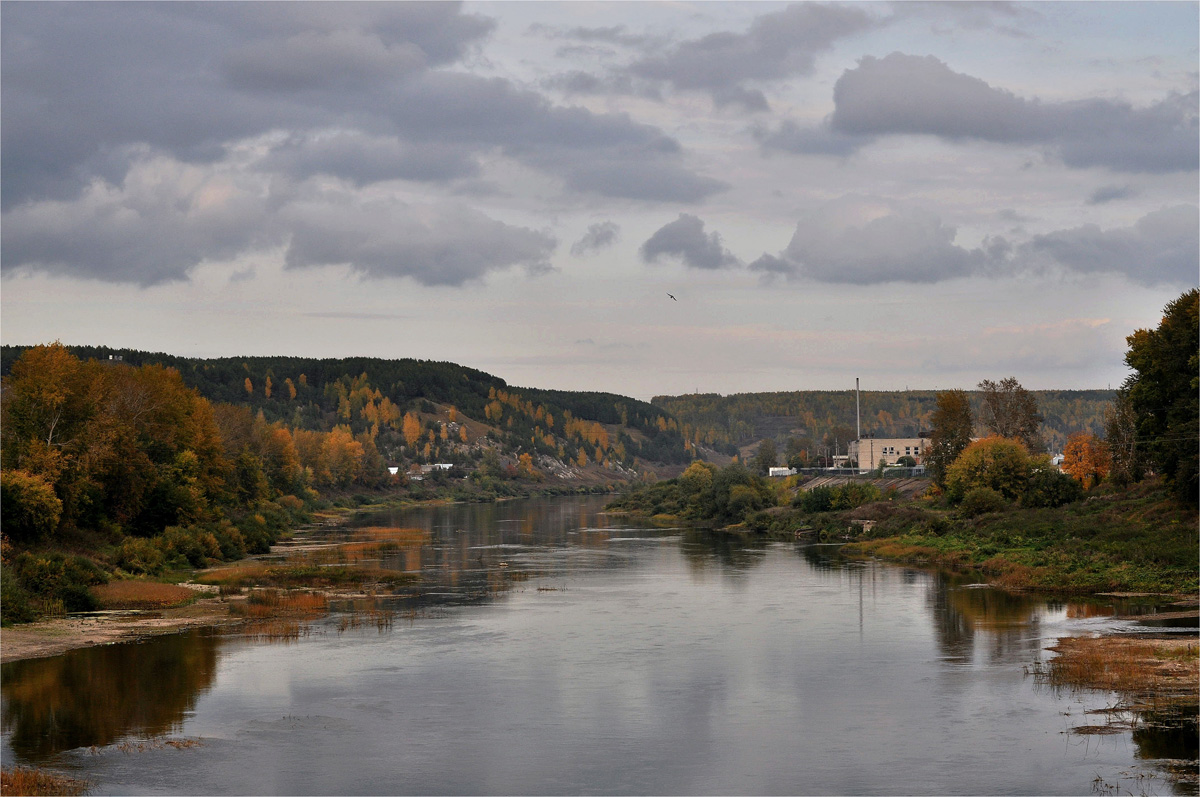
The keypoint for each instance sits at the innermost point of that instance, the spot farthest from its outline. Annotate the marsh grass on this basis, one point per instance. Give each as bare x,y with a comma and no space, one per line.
305,575
277,629
158,744
142,595
261,604
29,780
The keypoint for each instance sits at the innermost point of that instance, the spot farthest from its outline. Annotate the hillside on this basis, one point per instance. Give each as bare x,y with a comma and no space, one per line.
460,411
819,417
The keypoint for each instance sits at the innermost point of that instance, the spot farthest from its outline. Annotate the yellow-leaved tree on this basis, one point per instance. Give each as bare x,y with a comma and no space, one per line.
1086,459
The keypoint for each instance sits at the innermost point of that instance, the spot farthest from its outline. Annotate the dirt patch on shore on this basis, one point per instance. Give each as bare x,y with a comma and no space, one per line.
52,637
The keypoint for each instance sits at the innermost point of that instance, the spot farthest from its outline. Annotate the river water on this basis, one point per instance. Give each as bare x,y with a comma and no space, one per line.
552,649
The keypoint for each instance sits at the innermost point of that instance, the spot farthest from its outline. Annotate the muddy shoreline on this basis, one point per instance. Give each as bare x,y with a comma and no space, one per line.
62,634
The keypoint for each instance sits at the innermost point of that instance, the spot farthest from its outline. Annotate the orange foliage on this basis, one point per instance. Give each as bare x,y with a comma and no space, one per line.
1086,459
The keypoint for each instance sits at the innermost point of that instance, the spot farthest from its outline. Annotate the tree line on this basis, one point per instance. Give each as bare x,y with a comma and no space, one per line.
826,419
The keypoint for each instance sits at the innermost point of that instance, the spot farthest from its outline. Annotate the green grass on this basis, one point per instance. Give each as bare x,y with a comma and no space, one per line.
1139,539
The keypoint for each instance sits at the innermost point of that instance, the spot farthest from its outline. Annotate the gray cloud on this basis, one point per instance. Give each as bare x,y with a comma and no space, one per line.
903,94
156,227
1110,193
364,159
82,83
776,46
685,239
599,236
1162,247
817,140
443,245
866,240
863,240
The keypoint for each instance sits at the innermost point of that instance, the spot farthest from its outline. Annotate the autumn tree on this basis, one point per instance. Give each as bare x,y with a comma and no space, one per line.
998,463
1086,459
952,427
249,387
1009,410
1164,393
29,509
411,429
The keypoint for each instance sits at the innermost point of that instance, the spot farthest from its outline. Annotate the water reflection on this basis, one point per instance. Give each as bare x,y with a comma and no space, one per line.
654,661
98,696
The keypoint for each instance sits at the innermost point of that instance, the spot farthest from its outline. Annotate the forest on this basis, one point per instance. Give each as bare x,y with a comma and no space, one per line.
823,418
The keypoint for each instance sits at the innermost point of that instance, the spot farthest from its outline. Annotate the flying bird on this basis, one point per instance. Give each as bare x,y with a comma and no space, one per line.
672,298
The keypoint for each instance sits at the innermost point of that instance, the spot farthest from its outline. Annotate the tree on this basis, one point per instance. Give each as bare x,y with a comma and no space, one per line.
29,509
1163,393
1001,463
411,429
766,458
1120,430
952,426
1011,411
249,387
1086,459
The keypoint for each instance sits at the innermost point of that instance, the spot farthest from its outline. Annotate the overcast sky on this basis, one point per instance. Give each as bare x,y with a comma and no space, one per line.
918,194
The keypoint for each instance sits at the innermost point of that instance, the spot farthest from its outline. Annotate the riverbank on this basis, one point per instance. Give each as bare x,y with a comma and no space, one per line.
59,635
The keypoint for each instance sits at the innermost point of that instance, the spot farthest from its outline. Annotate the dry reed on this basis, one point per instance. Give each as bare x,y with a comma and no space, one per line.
142,595
29,780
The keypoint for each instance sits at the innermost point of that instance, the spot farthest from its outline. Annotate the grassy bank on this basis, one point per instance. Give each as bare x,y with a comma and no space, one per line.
1136,539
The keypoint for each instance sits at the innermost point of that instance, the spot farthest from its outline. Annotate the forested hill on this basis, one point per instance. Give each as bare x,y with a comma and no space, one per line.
361,393
730,422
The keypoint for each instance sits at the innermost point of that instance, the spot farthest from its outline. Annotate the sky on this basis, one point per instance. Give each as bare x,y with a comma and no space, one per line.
919,195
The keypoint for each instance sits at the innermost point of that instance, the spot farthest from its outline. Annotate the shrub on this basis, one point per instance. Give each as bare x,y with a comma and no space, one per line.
818,499
999,463
1049,488
848,496
854,494
188,545
138,555
29,509
55,582
16,604
980,501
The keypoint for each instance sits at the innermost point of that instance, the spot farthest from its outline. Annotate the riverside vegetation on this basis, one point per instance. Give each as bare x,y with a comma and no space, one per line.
1122,515
121,466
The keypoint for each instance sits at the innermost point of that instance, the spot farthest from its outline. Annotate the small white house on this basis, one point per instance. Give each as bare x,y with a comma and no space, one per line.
781,472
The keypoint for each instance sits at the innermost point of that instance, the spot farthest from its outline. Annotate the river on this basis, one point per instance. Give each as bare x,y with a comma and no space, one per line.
554,649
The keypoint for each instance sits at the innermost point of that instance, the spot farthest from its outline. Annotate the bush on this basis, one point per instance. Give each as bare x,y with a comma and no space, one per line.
999,463
16,604
980,501
854,494
848,496
53,582
137,555
29,509
818,499
1049,488
188,546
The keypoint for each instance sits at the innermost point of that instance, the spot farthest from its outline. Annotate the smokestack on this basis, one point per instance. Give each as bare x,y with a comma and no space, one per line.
857,412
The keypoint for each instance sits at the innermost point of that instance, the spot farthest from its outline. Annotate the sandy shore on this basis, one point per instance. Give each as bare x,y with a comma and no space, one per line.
52,637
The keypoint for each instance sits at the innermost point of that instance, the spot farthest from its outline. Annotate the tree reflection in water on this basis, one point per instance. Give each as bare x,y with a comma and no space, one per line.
97,696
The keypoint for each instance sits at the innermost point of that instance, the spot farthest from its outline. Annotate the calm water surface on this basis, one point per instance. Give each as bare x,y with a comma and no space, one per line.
556,650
